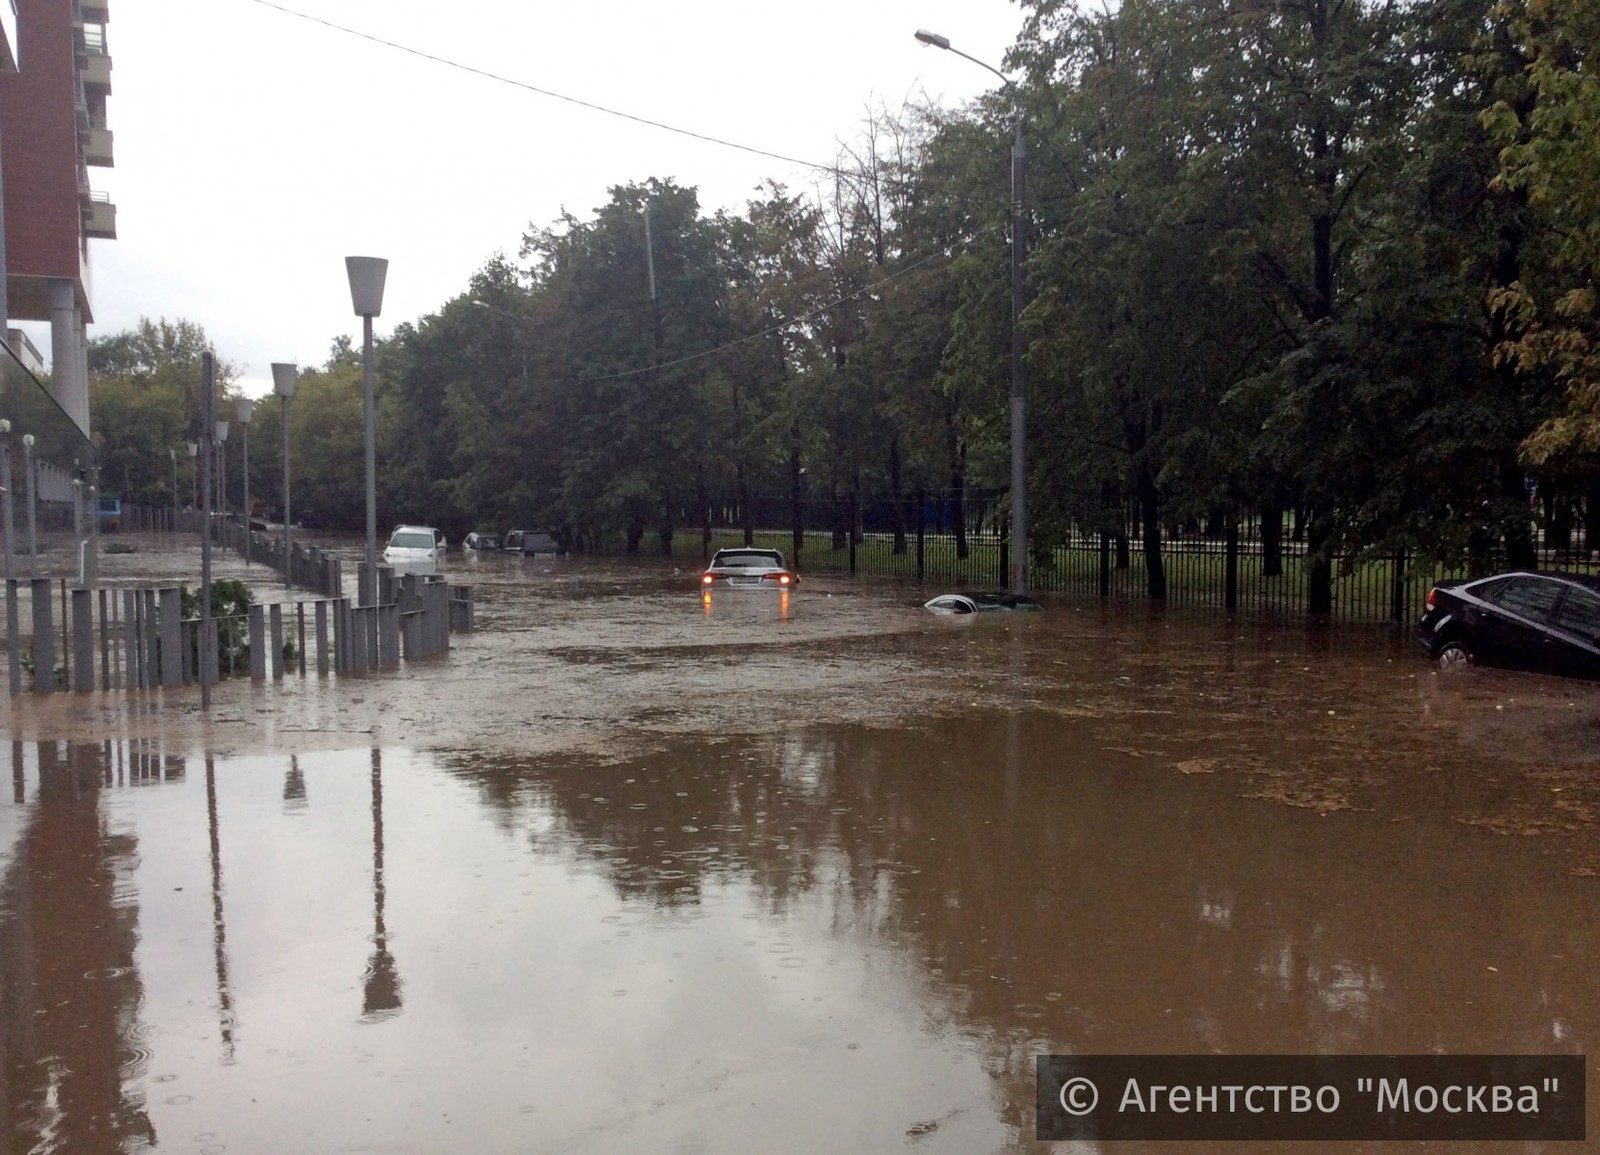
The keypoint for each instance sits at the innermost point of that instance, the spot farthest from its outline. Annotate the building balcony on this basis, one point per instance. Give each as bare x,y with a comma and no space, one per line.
94,11
96,70
96,142
100,217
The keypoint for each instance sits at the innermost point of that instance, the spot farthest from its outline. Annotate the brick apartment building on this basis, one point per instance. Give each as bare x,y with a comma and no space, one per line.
52,129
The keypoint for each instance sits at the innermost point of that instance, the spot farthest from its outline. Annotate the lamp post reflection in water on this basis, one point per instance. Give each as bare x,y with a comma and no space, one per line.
219,927
294,787
380,995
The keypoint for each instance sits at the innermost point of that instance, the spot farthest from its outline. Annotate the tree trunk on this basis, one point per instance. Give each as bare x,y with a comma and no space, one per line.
896,497
1591,514
1230,592
1272,534
1319,564
1150,507
747,518
956,453
1558,525
796,509
1108,506
922,508
1521,552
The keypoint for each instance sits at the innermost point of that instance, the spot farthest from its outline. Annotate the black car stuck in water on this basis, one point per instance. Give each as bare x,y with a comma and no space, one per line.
1532,621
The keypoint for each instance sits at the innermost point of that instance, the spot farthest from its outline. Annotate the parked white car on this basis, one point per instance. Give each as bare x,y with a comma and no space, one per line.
414,549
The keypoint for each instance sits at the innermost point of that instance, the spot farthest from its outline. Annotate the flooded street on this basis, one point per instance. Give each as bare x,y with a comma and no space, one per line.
630,872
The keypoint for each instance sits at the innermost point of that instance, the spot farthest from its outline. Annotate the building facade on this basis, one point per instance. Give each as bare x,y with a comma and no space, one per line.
53,129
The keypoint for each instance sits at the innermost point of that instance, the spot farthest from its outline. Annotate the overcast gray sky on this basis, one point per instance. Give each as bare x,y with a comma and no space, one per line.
255,148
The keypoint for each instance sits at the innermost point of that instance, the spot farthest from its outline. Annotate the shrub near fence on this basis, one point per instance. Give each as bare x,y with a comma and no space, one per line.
1366,589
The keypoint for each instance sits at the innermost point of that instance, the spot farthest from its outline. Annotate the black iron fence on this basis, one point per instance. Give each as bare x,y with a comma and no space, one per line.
959,540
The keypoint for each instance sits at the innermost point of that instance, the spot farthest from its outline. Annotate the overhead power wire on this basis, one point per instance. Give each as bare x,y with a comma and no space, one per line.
778,328
486,74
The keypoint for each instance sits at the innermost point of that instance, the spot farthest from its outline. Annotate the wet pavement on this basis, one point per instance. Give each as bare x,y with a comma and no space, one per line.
627,872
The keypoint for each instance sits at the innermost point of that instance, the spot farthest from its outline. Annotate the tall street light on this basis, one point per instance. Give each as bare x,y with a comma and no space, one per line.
32,473
5,498
222,470
1017,575
194,476
241,409
173,453
283,375
366,276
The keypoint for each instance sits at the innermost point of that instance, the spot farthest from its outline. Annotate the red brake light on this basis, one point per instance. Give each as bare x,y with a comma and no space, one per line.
783,579
706,579
1431,593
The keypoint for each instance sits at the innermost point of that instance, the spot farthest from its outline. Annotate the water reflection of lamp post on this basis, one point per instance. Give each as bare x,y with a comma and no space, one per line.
380,996
283,375
241,409
32,477
366,275
294,787
1017,569
219,926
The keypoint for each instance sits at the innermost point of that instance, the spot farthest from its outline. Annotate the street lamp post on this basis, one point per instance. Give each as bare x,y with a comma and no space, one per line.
221,469
77,521
241,409
32,476
1017,570
5,500
194,478
366,275
173,453
283,375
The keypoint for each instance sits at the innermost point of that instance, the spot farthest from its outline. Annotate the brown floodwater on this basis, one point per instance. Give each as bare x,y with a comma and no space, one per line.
627,872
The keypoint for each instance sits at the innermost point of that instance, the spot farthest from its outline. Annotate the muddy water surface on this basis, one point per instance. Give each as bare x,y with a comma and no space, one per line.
628,873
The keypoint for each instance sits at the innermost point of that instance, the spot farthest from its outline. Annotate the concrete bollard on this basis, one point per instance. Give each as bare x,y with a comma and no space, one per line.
174,658
44,647
258,644
133,640
275,617
322,639
82,640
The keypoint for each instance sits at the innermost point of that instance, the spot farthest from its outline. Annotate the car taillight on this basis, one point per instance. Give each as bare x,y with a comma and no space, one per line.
1432,593
783,579
706,579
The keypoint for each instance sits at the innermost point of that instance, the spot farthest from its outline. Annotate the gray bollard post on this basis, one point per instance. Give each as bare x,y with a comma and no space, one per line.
174,654
408,636
389,635
258,644
150,616
82,640
300,649
107,666
348,644
44,642
322,639
444,618
357,625
133,640
13,637
275,631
